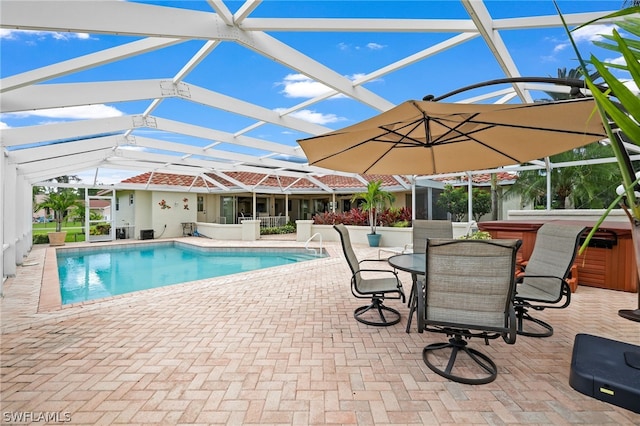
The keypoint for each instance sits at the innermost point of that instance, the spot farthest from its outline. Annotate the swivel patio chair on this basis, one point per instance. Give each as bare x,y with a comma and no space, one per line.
468,293
423,229
379,285
544,283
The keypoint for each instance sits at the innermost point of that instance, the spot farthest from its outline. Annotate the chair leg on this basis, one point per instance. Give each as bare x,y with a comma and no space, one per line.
523,315
457,345
377,306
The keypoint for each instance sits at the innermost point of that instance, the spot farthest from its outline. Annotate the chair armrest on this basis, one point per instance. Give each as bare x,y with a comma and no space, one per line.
525,275
395,274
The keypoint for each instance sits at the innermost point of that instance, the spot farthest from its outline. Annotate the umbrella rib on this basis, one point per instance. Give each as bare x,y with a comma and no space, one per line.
544,129
396,143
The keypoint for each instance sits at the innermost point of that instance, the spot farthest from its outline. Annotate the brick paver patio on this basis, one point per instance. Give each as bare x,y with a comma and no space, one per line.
276,346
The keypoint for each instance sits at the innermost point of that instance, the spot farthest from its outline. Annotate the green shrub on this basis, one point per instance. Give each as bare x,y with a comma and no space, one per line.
40,239
478,235
289,228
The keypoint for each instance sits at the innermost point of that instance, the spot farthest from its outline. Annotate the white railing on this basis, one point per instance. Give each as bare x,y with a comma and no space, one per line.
306,245
267,221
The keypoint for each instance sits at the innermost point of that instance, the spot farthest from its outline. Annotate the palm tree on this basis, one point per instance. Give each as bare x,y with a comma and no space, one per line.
374,199
586,186
60,202
572,74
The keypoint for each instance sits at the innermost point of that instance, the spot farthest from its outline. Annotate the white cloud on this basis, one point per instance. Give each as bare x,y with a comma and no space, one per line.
20,34
4,125
560,47
588,34
75,112
632,86
616,61
106,176
313,116
592,32
375,46
301,86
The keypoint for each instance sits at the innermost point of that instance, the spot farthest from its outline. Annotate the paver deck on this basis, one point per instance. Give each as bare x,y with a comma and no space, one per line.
276,346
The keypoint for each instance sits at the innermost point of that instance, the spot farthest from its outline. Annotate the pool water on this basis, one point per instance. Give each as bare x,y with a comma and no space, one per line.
89,274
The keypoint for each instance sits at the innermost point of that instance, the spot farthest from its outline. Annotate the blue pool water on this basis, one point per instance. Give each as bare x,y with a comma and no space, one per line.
95,273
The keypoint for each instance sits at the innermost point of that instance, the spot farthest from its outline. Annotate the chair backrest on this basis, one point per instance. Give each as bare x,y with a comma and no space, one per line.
553,255
352,260
470,283
423,229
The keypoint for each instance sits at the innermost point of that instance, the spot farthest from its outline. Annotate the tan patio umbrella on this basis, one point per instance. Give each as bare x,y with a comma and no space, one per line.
423,137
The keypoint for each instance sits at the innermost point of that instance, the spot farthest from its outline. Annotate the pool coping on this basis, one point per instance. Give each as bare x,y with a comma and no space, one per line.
50,299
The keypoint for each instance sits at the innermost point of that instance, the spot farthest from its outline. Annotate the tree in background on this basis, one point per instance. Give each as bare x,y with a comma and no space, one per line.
481,203
60,203
590,186
456,201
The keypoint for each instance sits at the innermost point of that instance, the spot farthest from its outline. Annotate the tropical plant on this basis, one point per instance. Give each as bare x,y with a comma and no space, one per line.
374,199
584,186
619,109
394,216
60,203
572,74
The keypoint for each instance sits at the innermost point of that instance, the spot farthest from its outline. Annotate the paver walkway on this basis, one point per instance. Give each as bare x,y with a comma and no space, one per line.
278,346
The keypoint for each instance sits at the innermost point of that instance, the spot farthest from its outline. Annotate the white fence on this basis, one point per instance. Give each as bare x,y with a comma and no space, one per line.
267,221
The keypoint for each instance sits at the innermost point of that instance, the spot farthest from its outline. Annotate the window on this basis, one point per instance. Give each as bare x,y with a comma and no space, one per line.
200,203
117,203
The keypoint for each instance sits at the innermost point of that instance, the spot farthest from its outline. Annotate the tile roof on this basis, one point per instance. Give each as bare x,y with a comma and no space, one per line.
481,179
264,181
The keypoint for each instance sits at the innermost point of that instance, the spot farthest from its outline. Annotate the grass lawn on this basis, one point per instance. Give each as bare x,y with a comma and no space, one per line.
75,230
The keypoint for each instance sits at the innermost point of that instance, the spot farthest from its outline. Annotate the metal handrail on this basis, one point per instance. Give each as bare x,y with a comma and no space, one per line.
306,244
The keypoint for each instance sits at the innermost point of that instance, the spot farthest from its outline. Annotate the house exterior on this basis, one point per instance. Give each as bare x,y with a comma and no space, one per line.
169,203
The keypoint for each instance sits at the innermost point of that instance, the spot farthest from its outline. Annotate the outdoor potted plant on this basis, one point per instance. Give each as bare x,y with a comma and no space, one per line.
374,199
59,202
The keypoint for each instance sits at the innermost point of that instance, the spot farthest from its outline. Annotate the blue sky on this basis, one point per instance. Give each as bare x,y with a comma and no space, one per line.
238,72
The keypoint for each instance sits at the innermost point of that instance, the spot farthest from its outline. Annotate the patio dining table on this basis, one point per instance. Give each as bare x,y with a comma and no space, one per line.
415,264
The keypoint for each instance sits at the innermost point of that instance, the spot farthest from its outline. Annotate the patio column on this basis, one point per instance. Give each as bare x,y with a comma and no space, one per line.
547,164
3,205
254,207
9,175
470,195
413,197
24,220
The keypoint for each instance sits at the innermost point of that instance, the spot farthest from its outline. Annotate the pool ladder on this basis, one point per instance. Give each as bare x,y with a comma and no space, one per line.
306,245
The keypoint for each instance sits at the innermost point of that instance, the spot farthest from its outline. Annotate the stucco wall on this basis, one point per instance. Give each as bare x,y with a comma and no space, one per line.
167,222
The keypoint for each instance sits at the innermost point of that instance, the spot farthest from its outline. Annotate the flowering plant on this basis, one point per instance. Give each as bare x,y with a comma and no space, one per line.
163,205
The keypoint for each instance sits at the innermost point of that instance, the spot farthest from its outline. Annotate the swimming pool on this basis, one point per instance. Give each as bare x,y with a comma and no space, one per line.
95,273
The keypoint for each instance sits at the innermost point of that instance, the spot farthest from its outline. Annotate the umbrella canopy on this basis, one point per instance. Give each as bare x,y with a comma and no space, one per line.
422,137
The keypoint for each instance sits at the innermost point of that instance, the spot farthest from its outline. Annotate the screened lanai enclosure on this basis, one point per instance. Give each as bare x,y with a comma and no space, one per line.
112,89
